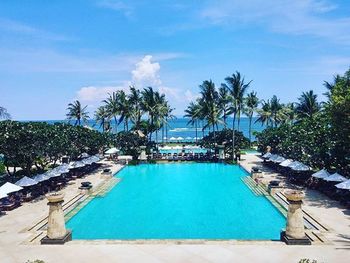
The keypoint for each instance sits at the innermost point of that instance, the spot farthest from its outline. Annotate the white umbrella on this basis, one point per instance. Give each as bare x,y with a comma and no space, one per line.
26,181
179,138
164,138
267,155
335,178
273,157
94,159
77,164
294,164
322,174
63,168
87,161
52,173
9,188
188,138
279,159
300,167
3,195
344,185
286,162
84,155
112,151
125,157
41,177
173,139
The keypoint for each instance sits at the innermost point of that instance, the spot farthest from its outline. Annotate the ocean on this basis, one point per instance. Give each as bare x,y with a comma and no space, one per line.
179,129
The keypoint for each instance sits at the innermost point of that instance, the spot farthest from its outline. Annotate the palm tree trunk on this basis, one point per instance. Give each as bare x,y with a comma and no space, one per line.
233,136
214,134
250,130
238,120
196,131
166,134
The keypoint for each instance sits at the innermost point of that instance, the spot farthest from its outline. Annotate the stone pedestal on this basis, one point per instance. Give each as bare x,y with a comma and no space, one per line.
56,228
143,156
221,152
295,231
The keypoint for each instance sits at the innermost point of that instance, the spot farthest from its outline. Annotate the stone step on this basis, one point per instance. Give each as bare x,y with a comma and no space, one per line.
256,189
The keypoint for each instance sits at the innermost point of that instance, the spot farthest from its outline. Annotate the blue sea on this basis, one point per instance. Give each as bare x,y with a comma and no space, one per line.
179,128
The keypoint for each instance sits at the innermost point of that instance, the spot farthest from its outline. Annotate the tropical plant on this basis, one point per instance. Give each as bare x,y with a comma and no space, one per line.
77,112
168,115
193,113
308,105
103,119
238,87
209,105
155,105
135,101
112,107
4,114
43,143
224,137
251,105
224,102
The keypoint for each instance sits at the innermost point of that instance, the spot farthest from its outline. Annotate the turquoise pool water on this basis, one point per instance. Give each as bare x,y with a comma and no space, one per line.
179,201
195,150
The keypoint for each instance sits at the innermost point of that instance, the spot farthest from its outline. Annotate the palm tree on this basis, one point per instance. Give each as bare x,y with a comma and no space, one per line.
272,112
4,114
237,86
167,116
77,112
102,118
329,86
224,102
135,101
112,106
124,109
276,108
193,112
154,104
251,104
308,105
209,105
264,114
289,113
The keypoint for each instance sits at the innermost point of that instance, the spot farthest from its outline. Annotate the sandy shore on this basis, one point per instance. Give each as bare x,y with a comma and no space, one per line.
14,245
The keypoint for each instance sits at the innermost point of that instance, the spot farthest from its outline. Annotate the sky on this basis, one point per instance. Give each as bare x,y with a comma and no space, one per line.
55,52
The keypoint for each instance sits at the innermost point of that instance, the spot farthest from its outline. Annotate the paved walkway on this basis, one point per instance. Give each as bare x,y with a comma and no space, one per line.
13,248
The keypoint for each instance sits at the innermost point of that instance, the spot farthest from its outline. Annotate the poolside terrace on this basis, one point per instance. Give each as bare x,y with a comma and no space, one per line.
15,237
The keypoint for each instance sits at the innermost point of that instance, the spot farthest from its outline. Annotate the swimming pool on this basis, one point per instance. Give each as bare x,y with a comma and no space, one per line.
179,201
186,150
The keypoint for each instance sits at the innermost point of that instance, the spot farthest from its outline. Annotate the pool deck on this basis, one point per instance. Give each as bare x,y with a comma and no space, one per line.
14,236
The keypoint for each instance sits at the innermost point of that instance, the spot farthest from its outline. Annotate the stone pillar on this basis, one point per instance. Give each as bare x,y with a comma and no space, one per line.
56,228
143,156
221,152
295,231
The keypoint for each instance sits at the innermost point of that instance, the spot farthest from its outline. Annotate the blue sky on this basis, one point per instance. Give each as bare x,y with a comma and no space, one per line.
53,52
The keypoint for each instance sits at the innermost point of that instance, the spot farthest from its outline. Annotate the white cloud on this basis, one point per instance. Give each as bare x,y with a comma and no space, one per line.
146,73
93,94
116,5
307,17
190,96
